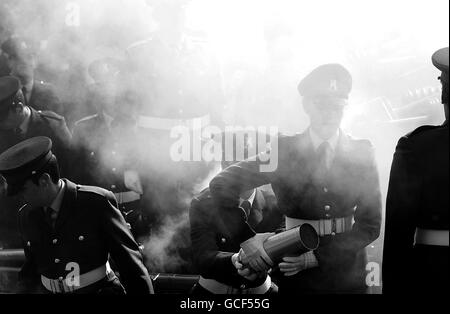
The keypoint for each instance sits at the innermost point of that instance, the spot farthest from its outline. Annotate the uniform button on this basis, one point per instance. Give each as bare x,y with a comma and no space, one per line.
81,238
55,241
327,208
57,261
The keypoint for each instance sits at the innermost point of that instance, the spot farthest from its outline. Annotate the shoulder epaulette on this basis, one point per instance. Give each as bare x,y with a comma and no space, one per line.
51,115
421,130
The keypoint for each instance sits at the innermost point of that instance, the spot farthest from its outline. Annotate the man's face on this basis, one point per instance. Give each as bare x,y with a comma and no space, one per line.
32,194
22,69
325,114
13,117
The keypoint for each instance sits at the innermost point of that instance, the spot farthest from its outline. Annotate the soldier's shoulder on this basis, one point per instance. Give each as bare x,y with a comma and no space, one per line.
51,116
87,121
423,131
361,150
43,85
95,192
287,140
203,196
422,136
202,200
359,142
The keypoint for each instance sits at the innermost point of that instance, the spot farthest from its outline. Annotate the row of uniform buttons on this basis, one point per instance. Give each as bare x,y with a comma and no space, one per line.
55,241
327,207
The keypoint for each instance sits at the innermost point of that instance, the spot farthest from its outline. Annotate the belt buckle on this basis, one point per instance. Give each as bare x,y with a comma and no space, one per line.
333,226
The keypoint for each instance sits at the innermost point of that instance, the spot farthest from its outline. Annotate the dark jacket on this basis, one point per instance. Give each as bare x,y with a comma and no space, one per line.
88,229
351,188
417,198
214,242
42,123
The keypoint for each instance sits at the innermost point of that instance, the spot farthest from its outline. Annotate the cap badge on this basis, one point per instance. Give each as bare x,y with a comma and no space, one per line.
333,86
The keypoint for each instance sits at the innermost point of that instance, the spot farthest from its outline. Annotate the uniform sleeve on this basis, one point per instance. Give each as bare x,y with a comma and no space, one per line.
367,224
227,186
208,259
124,250
402,205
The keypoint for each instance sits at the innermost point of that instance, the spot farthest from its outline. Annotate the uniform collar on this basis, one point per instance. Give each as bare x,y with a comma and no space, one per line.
26,122
56,204
316,140
251,199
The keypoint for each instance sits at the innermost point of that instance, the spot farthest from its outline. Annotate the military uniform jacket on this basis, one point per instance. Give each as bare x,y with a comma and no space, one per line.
417,198
351,187
214,239
88,229
42,123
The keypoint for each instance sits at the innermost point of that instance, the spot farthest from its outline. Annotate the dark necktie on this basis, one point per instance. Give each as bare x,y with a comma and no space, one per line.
323,161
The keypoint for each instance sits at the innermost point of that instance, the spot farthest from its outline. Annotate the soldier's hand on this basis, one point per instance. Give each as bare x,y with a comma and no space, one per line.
243,271
293,265
254,254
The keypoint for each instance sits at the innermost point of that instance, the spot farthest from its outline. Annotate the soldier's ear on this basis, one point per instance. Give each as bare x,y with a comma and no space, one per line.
45,180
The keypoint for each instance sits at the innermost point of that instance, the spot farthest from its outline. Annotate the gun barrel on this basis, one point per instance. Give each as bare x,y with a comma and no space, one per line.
296,241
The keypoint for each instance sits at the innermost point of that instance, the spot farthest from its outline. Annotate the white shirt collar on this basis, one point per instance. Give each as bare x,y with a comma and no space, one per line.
251,199
316,140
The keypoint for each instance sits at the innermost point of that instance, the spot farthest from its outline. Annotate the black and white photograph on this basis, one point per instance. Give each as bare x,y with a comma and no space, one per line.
224,153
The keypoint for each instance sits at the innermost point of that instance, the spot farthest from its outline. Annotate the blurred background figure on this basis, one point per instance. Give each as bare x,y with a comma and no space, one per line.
22,63
416,238
107,146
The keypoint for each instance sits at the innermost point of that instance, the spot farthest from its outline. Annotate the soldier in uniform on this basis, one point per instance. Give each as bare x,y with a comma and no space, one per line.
215,239
415,257
37,93
324,178
107,148
17,123
69,230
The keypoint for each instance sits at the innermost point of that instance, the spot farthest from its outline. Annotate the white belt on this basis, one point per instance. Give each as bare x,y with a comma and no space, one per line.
216,287
325,226
169,124
127,197
432,237
65,285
